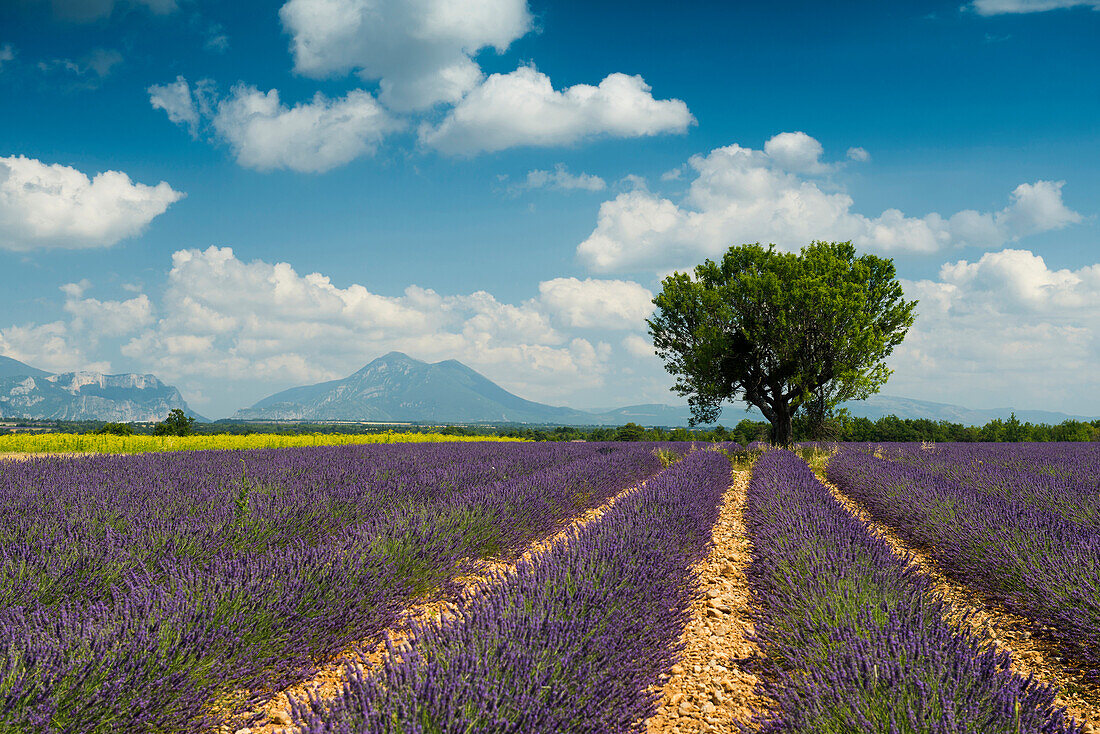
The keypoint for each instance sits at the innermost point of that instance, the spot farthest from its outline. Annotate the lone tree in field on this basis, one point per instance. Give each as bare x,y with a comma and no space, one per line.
780,331
176,424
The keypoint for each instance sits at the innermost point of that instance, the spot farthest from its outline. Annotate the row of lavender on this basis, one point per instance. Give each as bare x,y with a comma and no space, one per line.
854,638
571,641
1062,478
138,593
1034,560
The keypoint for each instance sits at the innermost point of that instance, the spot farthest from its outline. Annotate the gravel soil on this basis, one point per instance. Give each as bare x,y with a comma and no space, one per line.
711,688
327,682
1031,653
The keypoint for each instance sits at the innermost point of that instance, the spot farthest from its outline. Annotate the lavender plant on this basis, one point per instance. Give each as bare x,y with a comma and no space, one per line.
571,641
138,592
1060,478
854,639
1035,562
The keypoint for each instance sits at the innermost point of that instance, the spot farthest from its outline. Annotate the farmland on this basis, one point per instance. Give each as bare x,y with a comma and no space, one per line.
184,591
76,443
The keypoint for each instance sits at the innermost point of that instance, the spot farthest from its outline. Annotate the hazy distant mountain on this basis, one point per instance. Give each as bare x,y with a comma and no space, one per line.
398,388
14,368
873,407
877,406
27,392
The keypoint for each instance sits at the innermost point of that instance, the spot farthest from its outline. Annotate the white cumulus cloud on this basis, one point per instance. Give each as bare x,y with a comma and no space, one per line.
265,134
1005,330
261,326
50,346
796,152
54,206
176,99
522,108
741,195
310,137
107,318
420,51
593,303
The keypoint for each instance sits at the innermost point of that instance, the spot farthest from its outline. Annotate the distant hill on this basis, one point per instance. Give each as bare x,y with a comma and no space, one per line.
877,406
28,392
14,368
395,387
873,407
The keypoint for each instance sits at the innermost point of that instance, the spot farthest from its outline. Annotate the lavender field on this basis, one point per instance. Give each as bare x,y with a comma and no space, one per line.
176,592
139,593
1017,523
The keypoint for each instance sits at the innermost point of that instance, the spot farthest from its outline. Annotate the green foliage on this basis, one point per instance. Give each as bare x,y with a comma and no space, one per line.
114,429
781,331
176,424
891,428
666,457
630,432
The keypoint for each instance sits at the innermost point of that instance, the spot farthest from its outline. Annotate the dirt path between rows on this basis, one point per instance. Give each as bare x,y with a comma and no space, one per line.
329,679
1008,631
711,688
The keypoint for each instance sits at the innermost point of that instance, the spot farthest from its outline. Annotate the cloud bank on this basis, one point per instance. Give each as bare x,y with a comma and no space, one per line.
1004,330
741,195
264,326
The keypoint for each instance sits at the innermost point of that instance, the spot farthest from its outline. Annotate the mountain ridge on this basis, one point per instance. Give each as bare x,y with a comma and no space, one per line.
28,392
396,387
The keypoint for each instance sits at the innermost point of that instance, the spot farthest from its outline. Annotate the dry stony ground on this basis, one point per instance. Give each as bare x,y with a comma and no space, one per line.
710,689
1030,655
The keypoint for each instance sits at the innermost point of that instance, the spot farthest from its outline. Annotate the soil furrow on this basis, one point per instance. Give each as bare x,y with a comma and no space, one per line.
1031,655
711,688
328,681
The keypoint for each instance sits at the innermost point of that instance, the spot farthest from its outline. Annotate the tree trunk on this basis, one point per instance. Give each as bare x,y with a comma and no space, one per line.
782,429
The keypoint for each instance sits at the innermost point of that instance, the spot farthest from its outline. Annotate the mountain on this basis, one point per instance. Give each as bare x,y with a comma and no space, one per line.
874,407
877,406
27,392
398,388
13,368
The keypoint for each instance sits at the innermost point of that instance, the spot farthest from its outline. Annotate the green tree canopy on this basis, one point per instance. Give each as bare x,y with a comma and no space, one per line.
781,331
630,432
176,424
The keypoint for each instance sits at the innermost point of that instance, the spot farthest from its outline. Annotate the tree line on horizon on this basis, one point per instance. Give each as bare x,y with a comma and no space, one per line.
840,428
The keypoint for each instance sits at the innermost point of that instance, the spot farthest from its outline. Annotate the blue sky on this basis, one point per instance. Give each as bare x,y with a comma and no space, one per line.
506,183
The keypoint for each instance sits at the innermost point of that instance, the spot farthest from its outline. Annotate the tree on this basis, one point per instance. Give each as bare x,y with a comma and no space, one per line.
779,330
176,424
630,432
114,429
